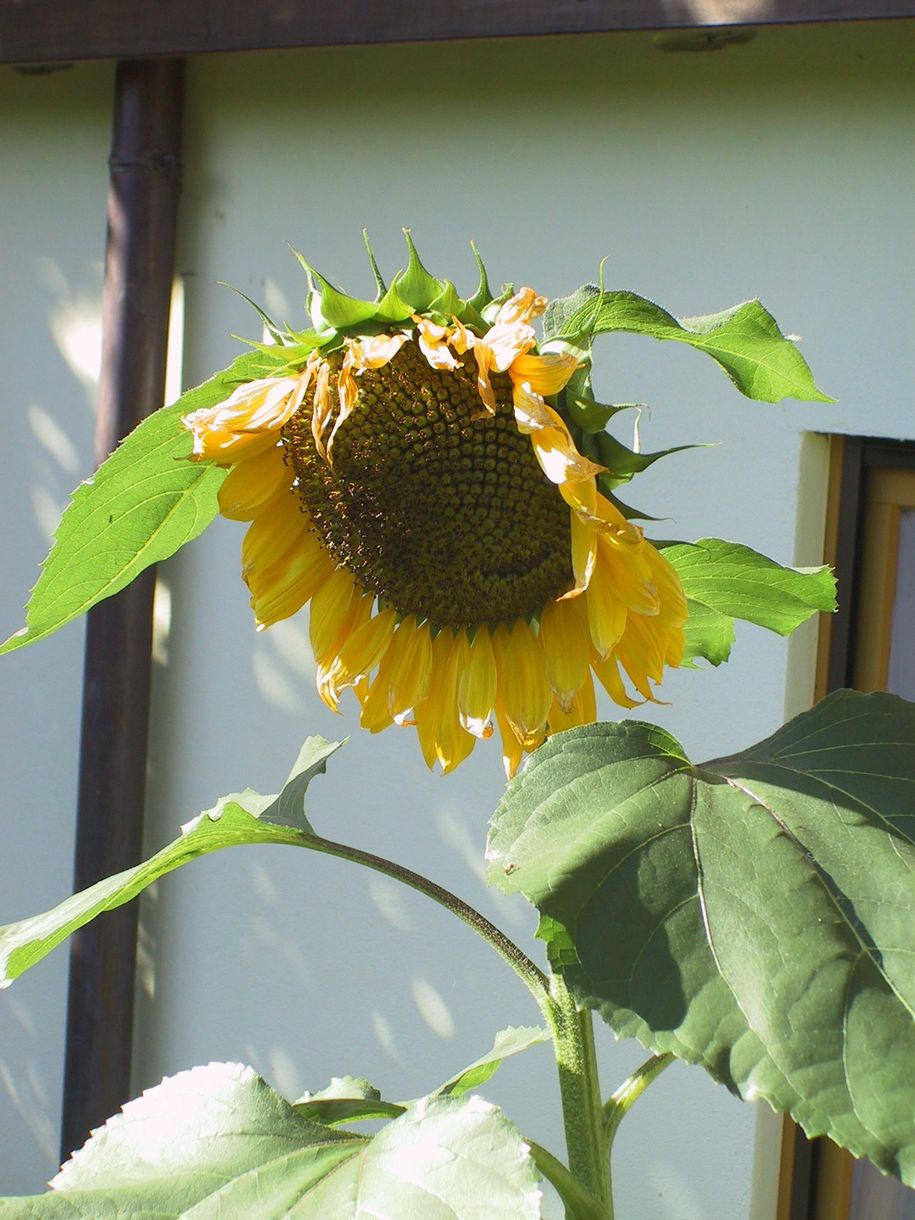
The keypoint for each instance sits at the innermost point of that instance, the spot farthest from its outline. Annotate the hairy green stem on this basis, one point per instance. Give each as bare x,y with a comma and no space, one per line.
618,1106
579,1088
531,975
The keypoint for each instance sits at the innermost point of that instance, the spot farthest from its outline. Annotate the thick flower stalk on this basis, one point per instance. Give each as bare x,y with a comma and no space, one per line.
413,479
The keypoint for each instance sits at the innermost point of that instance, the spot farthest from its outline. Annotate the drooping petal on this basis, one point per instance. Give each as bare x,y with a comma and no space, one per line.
247,421
333,609
275,529
477,687
453,742
523,689
606,612
581,709
512,749
358,655
564,636
584,555
283,588
546,374
433,343
411,676
249,487
607,672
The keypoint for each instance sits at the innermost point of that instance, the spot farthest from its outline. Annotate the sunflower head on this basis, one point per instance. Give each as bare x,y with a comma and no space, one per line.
412,469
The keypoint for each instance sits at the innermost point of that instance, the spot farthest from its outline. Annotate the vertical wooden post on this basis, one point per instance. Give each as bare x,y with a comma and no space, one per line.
139,269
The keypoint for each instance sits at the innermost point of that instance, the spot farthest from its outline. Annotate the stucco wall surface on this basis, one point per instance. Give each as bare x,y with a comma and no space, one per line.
775,168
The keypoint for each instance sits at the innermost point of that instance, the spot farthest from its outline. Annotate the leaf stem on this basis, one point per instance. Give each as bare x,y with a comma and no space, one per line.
578,1203
625,1097
531,975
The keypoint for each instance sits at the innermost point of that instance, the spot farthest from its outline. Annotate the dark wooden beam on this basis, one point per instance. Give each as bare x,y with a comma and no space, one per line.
48,31
139,266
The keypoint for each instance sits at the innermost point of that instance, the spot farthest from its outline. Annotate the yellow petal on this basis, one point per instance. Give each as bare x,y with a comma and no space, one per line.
433,343
631,577
512,749
283,588
332,609
566,644
248,420
453,742
378,350
545,374
607,672
275,530
582,709
523,688
248,487
606,613
641,652
523,306
322,407
411,672
584,555
358,654
483,357
477,687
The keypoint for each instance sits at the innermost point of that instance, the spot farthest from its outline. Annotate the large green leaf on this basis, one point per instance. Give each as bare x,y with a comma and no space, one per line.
725,580
755,914
744,340
242,817
141,505
217,1141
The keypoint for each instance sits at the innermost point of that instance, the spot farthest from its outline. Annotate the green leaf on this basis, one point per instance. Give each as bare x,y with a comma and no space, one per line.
482,296
217,1135
744,340
724,580
245,817
753,914
414,284
217,1141
141,505
347,1099
709,633
508,1042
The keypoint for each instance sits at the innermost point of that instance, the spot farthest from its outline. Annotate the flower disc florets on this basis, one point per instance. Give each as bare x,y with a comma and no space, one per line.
407,471
435,505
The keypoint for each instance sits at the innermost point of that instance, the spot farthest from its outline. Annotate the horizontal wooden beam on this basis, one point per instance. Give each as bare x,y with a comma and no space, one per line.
54,31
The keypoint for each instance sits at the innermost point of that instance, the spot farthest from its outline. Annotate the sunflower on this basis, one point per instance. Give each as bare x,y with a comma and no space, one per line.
413,477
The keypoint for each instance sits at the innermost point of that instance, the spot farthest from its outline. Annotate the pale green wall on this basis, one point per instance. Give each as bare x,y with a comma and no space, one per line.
775,168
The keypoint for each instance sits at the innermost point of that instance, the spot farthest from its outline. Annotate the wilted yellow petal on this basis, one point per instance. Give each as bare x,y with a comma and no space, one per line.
246,421
545,374
433,343
359,653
